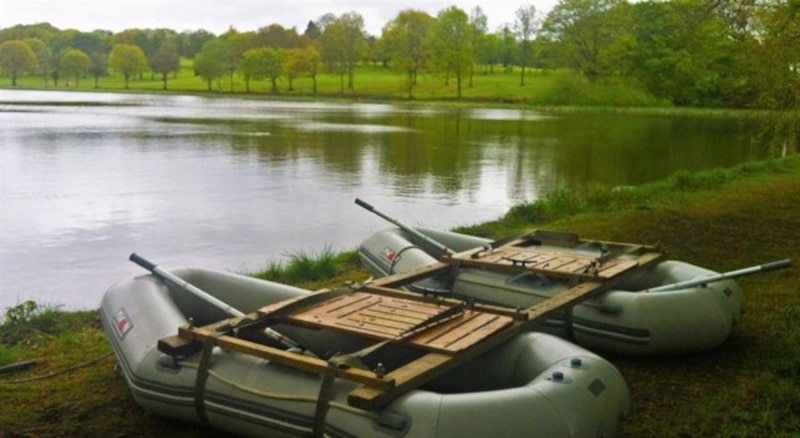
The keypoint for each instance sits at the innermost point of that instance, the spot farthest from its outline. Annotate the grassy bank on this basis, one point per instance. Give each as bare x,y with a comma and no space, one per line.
723,220
375,83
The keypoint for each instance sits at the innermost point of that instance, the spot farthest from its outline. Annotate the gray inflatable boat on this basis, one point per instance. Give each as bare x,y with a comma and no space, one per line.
632,318
532,385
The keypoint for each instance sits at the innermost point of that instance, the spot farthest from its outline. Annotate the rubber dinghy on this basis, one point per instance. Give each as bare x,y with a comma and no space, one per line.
534,384
632,317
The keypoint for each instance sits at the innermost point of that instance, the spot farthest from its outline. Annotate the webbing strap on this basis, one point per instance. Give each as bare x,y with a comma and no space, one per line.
202,375
324,399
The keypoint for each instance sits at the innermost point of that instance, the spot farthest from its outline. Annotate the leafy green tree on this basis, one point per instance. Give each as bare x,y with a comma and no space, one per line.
452,44
508,47
581,30
98,67
166,60
128,60
190,43
344,42
211,62
17,58
43,57
278,37
678,51
773,71
273,61
263,63
479,23
74,63
308,64
406,38
312,31
301,61
90,42
527,25
232,45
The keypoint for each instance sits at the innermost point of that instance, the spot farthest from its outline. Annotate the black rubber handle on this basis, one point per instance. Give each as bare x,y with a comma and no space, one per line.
141,261
780,264
364,204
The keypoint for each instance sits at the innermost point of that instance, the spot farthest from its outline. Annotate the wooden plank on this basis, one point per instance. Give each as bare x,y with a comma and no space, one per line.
468,332
613,268
569,297
394,318
371,315
286,358
487,308
406,379
411,275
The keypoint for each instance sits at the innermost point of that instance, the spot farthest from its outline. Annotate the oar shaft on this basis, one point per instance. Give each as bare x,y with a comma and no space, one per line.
171,278
406,228
780,264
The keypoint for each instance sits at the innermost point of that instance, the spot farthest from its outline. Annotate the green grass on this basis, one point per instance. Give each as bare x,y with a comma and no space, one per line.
542,88
312,269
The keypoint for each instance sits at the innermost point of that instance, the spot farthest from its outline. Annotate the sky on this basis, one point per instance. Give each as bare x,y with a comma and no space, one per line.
217,16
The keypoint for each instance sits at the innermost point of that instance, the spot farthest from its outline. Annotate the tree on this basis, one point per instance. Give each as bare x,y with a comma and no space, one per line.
232,45
307,63
301,61
211,62
452,44
582,30
273,63
166,60
312,31
478,21
344,41
678,51
406,38
128,60
17,58
278,37
75,63
43,57
190,43
527,25
262,63
98,67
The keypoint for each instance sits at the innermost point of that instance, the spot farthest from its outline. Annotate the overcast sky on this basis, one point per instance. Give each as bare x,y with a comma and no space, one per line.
218,15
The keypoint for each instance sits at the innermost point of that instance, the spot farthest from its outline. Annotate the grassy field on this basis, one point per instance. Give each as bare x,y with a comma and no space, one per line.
728,219
381,83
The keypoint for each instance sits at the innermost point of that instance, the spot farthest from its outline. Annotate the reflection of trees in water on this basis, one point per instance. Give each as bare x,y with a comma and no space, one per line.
454,152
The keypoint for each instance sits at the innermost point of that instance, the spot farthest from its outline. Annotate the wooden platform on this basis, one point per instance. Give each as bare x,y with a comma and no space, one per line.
447,331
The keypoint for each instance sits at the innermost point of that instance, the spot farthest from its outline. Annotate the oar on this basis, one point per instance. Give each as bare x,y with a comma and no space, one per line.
780,264
444,249
170,278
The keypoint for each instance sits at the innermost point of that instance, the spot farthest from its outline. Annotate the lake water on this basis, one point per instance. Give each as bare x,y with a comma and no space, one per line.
88,178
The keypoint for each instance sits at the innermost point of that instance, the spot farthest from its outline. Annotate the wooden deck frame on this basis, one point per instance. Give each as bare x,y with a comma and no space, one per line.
450,332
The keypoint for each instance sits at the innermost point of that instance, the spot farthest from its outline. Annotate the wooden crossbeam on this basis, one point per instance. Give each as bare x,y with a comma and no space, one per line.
286,358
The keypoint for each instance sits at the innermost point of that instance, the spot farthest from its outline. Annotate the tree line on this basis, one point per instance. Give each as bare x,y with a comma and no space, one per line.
712,53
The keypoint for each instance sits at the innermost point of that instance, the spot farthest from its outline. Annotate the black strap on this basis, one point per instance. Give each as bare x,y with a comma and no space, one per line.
202,375
324,399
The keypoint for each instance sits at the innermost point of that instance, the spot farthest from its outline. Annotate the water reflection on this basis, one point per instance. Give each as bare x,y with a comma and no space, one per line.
87,178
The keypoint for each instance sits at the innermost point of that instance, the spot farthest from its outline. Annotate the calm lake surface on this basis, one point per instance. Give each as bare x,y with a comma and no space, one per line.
88,178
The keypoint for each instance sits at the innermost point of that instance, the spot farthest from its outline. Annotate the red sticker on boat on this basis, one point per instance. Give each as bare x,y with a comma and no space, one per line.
388,254
122,323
